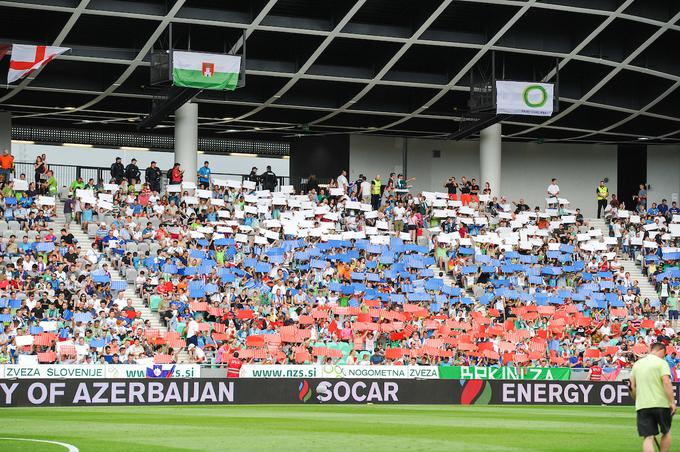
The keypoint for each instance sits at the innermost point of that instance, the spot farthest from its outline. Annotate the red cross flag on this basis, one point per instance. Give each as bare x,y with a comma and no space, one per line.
26,59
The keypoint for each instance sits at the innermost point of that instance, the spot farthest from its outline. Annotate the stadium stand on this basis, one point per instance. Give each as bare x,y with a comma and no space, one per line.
195,274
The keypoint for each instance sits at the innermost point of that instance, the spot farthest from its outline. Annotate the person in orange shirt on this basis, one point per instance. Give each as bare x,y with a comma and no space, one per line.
182,286
6,165
344,272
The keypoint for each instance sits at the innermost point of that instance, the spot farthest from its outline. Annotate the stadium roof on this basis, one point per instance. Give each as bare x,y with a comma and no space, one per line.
392,67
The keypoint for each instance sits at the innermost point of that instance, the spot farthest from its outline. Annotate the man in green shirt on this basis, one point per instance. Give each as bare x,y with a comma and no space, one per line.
672,304
650,386
51,184
77,184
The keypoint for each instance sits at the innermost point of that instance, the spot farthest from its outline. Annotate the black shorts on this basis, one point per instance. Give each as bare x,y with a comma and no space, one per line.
651,420
673,314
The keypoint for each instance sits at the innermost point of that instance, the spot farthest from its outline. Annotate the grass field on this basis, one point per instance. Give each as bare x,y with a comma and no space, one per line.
320,428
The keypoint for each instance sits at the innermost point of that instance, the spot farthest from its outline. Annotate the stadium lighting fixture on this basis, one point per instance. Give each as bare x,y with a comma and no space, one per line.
22,142
134,148
69,108
643,138
228,118
286,157
242,154
77,145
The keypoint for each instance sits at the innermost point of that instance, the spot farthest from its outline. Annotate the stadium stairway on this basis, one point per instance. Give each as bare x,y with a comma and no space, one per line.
646,288
85,243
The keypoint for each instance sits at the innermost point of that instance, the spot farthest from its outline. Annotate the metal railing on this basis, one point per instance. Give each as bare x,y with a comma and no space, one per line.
65,174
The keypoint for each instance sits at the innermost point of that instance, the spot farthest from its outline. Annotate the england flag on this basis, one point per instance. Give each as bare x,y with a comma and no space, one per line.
26,59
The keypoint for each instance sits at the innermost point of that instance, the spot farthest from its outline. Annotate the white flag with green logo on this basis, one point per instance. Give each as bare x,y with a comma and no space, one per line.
524,98
205,70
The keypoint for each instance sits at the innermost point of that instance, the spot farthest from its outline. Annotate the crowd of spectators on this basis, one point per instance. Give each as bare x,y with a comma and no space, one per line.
350,272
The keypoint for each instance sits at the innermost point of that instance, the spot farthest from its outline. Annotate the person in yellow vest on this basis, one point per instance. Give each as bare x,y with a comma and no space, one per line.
602,192
376,192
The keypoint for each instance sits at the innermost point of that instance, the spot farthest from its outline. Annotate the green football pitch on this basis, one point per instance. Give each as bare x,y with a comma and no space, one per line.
276,428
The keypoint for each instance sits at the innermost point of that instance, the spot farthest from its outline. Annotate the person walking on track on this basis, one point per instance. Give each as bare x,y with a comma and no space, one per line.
651,387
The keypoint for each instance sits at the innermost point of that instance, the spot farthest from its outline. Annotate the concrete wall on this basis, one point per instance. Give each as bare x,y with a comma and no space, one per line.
371,155
526,168
663,172
101,157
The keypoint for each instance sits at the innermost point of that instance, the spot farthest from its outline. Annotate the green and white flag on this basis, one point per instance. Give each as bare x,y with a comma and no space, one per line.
524,98
205,70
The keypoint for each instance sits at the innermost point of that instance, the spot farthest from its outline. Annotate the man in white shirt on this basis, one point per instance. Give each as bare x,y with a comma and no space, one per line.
343,183
365,190
196,354
120,300
399,212
175,248
553,190
192,329
280,286
629,297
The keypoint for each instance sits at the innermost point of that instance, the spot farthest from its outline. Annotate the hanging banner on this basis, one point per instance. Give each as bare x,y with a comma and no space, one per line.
504,373
27,59
524,98
205,70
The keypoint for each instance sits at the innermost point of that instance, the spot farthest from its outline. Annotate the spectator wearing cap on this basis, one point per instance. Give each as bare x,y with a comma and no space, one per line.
196,354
